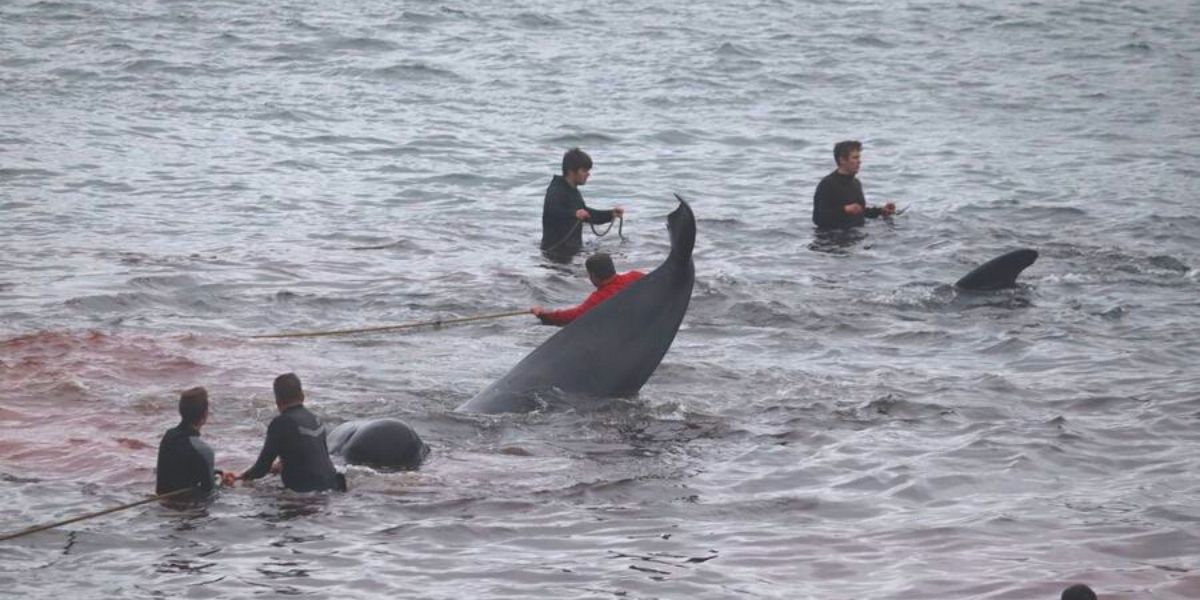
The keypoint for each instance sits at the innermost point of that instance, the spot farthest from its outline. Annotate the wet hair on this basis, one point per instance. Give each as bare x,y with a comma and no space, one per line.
193,405
842,150
1078,592
576,159
600,266
288,390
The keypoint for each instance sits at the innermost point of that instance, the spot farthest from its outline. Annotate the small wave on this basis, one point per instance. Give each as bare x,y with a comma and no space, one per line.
75,74
582,139
290,115
1007,346
361,44
113,302
891,406
730,49
300,24
151,65
423,18
675,137
1107,263
760,314
689,83
62,11
1002,22
1138,47
538,21
408,71
111,186
1169,263
24,173
928,338
376,244
871,41
168,282
334,140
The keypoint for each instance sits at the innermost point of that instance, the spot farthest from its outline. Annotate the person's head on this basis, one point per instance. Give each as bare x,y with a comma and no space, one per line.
288,391
600,268
193,406
576,167
848,155
1078,592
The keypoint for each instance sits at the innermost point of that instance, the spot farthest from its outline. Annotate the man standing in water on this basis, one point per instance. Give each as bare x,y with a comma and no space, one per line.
604,276
564,213
184,460
297,438
839,202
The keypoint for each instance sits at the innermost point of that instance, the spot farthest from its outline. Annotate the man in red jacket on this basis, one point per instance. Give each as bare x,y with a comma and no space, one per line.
604,276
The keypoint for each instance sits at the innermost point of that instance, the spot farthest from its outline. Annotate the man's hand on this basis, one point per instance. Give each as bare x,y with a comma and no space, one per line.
537,311
583,215
853,209
889,209
276,467
228,478
618,212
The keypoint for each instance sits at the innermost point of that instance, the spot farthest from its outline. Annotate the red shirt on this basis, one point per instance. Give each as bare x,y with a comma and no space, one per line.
608,289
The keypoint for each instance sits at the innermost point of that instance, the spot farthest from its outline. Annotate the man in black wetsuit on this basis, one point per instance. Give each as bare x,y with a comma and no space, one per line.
564,212
297,438
184,460
839,202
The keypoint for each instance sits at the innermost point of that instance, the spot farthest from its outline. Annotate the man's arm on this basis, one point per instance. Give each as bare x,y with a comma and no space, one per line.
827,208
270,451
566,315
599,217
200,466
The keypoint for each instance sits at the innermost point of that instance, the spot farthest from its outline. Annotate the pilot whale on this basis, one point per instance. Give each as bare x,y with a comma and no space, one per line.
389,443
612,349
999,273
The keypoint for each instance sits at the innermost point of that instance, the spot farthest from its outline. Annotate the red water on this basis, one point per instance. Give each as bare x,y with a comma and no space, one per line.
87,404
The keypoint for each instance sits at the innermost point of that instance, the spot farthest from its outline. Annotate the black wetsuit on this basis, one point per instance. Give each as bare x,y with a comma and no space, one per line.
835,192
297,437
559,233
184,461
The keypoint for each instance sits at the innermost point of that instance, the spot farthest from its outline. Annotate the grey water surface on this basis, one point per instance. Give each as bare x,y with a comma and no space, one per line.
833,420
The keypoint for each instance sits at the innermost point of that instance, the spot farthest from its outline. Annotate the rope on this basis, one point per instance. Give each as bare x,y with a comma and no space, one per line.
620,228
579,222
565,237
37,528
436,323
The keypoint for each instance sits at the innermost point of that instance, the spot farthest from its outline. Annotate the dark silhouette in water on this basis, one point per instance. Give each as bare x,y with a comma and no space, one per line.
613,349
999,273
387,443
1078,591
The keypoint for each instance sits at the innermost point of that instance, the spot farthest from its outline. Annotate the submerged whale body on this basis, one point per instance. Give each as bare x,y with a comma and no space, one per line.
999,273
612,349
387,443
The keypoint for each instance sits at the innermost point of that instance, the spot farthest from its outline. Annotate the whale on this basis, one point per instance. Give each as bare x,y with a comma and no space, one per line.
613,349
388,443
999,273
